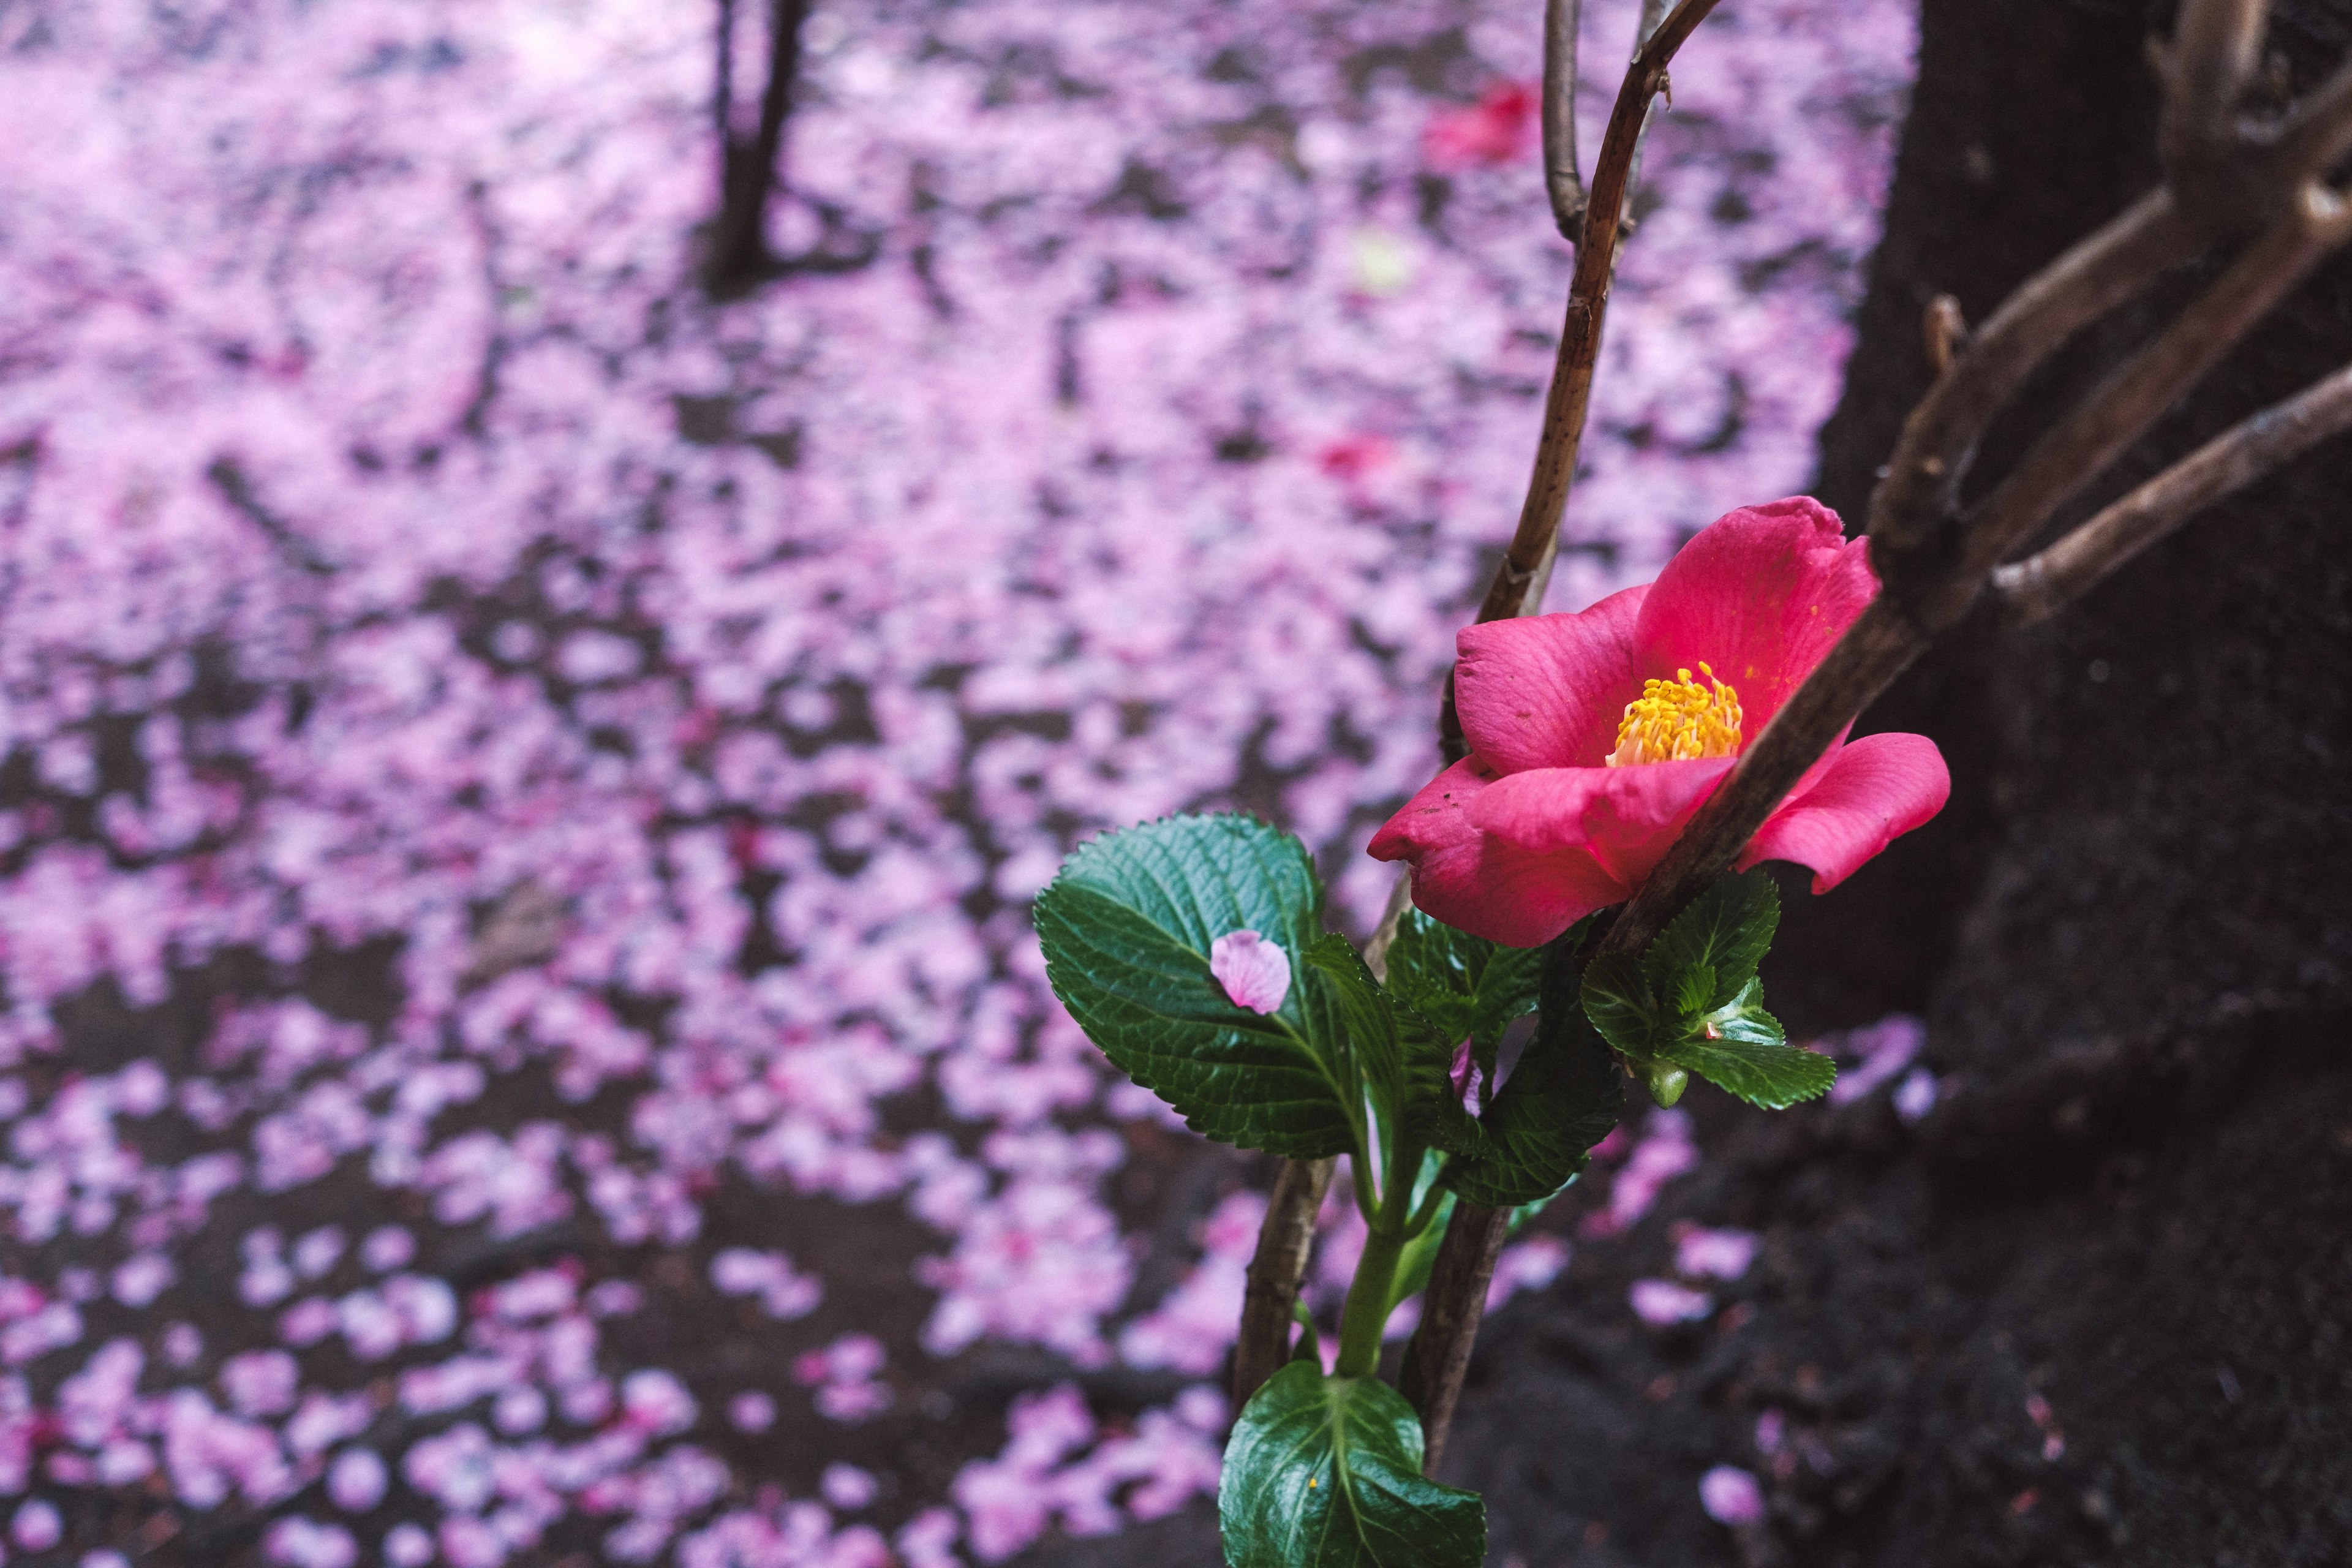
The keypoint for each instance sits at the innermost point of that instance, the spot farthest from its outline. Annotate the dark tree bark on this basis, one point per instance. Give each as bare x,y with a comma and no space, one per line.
2093,1311
748,171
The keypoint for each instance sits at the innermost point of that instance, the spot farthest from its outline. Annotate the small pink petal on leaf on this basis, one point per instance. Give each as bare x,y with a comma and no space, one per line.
1256,972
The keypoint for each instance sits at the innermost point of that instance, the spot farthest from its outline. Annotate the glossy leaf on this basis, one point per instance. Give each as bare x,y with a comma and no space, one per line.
1728,928
1406,1061
1325,1472
1127,927
1615,997
1466,985
1565,1096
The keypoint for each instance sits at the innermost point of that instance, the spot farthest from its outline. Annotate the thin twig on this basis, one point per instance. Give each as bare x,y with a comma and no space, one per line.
2206,68
2032,590
1587,302
1570,398
1562,180
1944,330
2318,132
2139,391
1438,1357
1939,438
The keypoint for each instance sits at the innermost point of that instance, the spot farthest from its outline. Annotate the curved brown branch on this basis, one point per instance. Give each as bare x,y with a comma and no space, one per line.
1563,183
1283,1240
1587,302
1916,502
2139,391
1438,1357
2206,69
1526,566
2036,588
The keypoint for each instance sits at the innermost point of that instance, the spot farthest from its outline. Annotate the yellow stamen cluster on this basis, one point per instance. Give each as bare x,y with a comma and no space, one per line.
1675,719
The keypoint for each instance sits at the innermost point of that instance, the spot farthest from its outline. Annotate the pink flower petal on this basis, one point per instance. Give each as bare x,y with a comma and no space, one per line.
1661,1302
1548,691
1761,594
1482,883
1731,1495
1621,820
1256,972
1876,789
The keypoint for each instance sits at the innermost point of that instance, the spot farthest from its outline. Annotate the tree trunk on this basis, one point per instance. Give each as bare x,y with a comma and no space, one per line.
747,169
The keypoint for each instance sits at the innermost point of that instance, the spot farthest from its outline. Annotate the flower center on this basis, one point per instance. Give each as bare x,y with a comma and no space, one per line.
1675,719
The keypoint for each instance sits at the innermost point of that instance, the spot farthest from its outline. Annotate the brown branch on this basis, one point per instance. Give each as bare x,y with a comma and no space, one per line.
1914,505
1283,1240
1525,567
1944,331
1562,180
2031,590
2205,70
1438,1357
1588,301
2318,132
2137,391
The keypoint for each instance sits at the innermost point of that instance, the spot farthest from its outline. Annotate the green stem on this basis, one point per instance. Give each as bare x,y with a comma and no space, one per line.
1367,1311
1427,1213
1370,1293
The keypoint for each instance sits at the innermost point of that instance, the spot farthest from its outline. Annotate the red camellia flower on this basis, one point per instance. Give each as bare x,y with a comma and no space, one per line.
1594,737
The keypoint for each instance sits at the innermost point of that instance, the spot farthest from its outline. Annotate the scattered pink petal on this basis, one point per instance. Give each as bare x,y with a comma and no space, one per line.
1256,972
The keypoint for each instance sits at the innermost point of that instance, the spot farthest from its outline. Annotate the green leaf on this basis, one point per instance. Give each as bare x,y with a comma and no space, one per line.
1325,1472
1464,985
1406,1061
1694,992
1127,927
1726,928
1750,1056
1562,1098
1616,999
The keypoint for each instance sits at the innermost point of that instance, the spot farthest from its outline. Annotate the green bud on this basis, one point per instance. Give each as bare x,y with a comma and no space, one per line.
1666,1082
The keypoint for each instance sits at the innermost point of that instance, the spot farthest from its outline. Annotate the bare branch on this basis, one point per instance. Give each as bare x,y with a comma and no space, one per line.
1562,181
2139,391
1588,301
1945,330
1284,1241
2206,69
2318,132
1916,502
1438,1355
2037,587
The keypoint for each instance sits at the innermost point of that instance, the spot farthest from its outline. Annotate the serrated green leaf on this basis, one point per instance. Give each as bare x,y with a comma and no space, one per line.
1695,991
1729,928
1368,1014
1406,1061
1760,1071
1616,999
1325,1472
1464,985
1127,927
1746,1020
1564,1097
